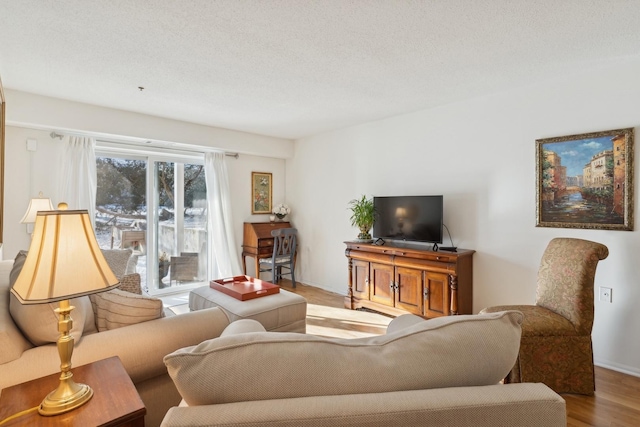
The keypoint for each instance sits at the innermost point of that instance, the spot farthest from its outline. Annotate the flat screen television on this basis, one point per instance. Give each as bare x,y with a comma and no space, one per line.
410,218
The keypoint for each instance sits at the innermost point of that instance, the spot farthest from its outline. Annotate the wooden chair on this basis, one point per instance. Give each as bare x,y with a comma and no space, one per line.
284,250
555,347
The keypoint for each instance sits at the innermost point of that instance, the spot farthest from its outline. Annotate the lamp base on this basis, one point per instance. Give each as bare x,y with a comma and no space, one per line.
68,396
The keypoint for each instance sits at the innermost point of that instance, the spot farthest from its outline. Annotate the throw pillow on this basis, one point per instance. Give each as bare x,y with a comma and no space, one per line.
118,260
117,308
131,283
39,322
453,351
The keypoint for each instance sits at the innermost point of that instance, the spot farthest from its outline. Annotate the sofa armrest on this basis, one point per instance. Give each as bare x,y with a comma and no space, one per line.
141,347
524,405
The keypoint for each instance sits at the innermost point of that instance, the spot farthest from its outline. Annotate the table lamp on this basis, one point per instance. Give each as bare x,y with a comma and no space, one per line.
36,204
64,261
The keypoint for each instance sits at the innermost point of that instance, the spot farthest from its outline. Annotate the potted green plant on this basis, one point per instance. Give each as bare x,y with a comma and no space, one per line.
363,215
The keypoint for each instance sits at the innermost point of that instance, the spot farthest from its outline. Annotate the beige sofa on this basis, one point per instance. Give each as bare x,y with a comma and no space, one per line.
440,372
140,347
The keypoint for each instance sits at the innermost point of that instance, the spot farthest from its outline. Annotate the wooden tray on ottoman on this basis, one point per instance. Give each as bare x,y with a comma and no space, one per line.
244,287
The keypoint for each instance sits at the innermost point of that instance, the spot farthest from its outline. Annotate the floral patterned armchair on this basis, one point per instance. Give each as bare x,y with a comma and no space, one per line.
555,348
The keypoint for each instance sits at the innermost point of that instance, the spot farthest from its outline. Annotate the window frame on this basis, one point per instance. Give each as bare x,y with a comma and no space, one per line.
151,155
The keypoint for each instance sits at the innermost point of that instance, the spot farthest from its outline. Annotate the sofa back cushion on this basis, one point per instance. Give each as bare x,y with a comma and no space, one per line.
39,322
454,351
12,342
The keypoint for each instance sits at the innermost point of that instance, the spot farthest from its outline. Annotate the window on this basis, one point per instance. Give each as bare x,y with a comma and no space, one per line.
181,224
157,207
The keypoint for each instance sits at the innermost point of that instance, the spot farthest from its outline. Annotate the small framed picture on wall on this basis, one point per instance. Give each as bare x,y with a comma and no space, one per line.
261,192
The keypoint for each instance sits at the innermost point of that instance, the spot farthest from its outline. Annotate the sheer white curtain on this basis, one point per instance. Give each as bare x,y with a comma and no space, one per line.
221,242
78,180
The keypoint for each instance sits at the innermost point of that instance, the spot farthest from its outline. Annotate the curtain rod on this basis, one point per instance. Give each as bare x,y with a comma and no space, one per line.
55,135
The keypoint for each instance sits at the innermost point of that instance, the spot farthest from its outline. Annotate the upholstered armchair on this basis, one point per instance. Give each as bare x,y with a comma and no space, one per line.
555,347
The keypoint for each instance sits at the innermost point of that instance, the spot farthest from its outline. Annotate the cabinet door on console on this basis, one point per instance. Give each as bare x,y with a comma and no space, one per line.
380,284
437,299
409,295
360,279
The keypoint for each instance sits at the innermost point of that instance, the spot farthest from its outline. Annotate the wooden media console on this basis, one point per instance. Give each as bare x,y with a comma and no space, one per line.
397,278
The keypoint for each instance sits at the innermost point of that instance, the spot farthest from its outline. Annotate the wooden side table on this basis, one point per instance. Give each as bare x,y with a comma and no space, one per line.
115,400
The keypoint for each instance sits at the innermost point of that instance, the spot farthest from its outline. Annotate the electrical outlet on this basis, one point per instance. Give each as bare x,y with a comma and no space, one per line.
605,294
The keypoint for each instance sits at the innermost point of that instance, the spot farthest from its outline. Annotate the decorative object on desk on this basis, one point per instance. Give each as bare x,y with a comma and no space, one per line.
281,211
36,204
589,187
272,218
261,192
64,261
363,216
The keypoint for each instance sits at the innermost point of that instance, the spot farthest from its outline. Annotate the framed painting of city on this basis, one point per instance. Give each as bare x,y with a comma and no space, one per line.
261,192
585,181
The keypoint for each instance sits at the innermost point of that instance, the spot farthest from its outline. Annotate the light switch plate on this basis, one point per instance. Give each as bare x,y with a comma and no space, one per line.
32,144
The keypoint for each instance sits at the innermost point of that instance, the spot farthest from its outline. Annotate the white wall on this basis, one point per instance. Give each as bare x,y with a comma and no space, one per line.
480,154
41,112
34,117
25,174
240,179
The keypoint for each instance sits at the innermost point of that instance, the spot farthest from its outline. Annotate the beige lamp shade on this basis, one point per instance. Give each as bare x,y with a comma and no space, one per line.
36,204
64,260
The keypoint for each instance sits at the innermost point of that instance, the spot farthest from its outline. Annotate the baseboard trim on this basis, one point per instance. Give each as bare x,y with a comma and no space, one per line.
618,367
323,287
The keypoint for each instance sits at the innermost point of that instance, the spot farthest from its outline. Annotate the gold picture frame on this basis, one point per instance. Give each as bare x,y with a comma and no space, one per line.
261,192
586,181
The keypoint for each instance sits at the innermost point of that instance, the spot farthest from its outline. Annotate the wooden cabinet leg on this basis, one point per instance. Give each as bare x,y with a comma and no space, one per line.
348,300
453,286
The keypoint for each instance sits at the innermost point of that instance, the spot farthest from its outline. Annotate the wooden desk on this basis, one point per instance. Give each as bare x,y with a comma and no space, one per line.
257,242
115,400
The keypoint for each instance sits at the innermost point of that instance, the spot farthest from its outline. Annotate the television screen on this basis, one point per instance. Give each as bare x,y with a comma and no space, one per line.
415,218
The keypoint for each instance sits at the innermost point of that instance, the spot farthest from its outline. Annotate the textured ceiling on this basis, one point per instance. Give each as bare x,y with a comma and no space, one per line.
292,68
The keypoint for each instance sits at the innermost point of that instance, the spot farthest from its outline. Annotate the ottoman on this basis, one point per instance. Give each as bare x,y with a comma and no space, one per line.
281,312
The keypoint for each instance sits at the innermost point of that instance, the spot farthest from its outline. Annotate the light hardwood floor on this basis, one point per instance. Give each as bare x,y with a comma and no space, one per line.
616,402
